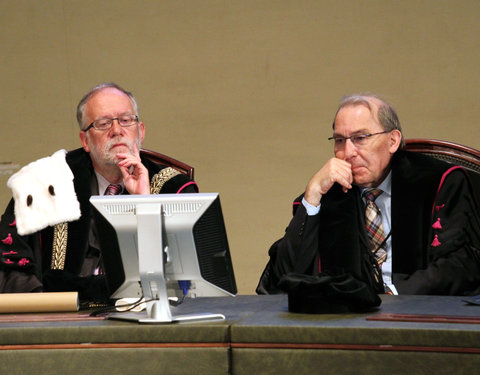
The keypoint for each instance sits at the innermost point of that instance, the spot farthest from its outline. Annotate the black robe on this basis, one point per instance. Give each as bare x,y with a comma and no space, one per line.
26,261
435,233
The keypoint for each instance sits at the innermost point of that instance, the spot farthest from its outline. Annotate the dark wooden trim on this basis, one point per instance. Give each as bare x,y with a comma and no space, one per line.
159,158
47,317
463,155
425,318
389,348
439,145
117,345
243,345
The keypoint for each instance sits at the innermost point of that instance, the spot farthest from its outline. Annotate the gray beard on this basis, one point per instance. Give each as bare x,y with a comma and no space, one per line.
107,158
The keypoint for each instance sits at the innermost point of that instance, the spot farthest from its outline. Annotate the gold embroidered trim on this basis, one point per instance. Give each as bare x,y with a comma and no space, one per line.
59,248
160,178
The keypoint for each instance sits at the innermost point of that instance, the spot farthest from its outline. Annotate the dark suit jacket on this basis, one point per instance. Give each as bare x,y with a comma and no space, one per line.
428,258
36,274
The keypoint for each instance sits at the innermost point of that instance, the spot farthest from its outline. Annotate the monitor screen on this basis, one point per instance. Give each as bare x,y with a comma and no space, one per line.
176,242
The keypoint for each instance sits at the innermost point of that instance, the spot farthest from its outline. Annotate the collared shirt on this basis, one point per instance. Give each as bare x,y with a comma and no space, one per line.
103,183
384,203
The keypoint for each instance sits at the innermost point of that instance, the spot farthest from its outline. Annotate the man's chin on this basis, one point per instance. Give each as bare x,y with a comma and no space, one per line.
361,181
110,158
124,149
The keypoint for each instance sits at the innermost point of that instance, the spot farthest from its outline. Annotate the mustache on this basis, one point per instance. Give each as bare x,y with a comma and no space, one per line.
128,143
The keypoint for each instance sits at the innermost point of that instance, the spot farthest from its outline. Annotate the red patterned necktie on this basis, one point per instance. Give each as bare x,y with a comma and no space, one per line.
113,189
373,225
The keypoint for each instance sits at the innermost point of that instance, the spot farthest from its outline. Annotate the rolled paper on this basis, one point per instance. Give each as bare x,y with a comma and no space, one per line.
38,302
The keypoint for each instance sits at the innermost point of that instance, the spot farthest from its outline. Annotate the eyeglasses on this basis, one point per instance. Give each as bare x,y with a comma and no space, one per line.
106,123
357,140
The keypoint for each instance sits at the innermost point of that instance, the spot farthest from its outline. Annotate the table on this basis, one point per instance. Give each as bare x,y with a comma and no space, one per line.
406,335
274,341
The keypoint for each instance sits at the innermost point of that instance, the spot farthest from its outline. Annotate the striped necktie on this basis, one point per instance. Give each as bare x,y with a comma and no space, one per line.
373,225
113,189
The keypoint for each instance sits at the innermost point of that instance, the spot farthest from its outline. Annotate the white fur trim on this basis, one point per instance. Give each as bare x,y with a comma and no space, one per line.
37,180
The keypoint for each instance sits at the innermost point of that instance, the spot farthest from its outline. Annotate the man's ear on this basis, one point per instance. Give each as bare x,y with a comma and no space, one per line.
395,140
142,131
84,140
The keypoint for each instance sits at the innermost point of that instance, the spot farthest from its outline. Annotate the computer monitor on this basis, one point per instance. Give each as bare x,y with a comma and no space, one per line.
168,244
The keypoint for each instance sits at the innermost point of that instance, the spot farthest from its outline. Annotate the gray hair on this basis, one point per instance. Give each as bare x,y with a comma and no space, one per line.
386,115
83,102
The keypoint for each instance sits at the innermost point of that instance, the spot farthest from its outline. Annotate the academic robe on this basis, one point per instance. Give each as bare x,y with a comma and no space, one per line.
54,259
435,233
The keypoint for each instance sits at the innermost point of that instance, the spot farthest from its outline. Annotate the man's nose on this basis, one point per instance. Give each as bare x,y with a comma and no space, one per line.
116,127
350,149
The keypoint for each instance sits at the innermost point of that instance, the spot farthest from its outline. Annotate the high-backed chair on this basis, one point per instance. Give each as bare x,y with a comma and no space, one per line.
450,152
453,153
159,158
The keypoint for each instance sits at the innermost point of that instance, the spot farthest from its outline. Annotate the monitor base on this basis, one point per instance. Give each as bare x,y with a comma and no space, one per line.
143,318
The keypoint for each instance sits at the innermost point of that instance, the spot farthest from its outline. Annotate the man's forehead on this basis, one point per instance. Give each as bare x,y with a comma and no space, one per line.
107,99
108,92
369,105
369,114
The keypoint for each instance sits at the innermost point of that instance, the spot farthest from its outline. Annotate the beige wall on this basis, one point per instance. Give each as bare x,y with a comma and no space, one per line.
243,90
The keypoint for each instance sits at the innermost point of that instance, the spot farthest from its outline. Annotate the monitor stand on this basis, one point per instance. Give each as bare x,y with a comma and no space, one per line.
150,233
155,316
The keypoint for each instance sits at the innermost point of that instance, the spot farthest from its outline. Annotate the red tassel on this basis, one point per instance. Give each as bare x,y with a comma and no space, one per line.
12,224
437,224
8,261
436,242
10,253
23,262
8,240
438,208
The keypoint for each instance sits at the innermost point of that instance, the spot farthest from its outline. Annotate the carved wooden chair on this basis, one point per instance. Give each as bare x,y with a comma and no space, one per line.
453,153
450,152
159,158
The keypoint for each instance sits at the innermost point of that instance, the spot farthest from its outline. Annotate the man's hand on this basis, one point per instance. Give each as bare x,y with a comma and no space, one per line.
335,170
135,175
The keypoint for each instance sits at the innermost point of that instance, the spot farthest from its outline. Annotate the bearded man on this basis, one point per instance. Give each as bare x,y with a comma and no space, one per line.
68,256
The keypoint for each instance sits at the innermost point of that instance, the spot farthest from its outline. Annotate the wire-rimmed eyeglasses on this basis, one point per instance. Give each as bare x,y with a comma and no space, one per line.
357,139
106,123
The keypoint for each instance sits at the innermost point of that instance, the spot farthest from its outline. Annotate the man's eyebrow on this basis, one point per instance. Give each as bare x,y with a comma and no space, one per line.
110,116
358,132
